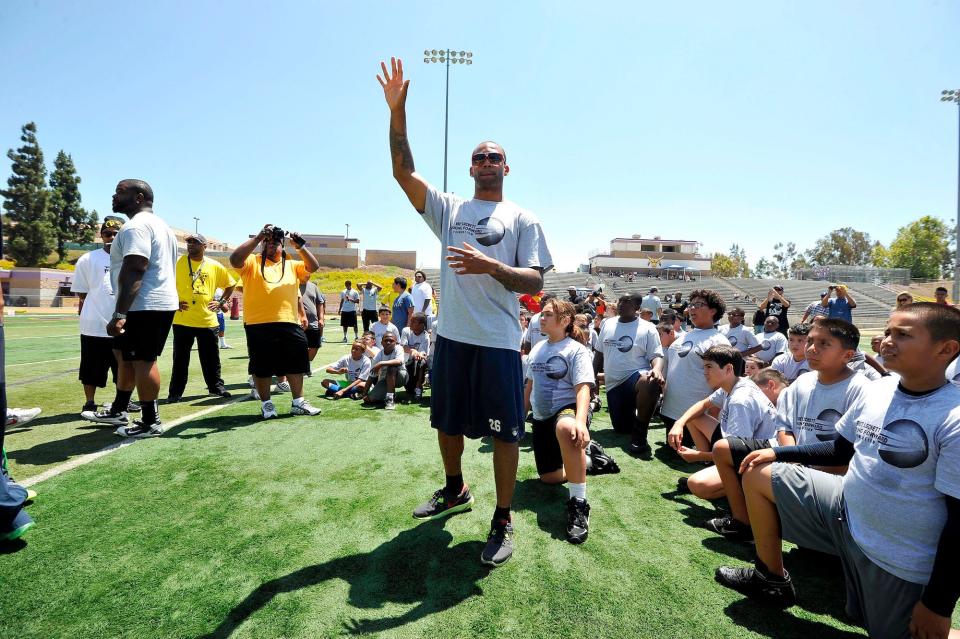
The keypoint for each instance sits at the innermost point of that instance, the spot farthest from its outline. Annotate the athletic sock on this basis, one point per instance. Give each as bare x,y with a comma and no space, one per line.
297,401
121,402
454,485
501,514
578,490
150,412
390,396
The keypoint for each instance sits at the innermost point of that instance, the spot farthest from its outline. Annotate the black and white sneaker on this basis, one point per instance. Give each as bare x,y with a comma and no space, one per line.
732,529
104,416
578,520
89,407
598,461
139,429
439,505
640,448
133,407
751,582
499,548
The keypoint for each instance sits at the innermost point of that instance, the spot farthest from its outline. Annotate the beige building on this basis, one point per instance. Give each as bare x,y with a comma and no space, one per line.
650,255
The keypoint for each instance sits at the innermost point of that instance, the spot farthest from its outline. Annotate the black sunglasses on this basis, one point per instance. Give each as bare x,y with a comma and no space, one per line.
493,157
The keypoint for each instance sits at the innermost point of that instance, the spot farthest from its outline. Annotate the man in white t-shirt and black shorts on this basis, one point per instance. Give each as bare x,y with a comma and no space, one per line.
91,282
493,250
143,274
349,298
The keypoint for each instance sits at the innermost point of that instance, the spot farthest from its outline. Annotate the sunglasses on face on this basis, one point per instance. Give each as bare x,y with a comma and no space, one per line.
108,234
492,157
696,305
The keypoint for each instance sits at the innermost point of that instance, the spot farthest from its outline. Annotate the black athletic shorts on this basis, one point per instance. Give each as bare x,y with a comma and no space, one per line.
348,319
144,335
276,348
740,447
546,448
313,337
96,359
476,391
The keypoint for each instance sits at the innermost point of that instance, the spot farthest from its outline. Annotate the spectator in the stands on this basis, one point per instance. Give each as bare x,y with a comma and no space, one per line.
903,298
574,297
842,304
940,294
776,305
818,308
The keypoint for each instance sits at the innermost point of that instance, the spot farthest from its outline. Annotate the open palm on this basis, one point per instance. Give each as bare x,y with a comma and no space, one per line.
394,86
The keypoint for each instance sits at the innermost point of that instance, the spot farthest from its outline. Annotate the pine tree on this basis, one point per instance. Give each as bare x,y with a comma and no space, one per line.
72,221
27,202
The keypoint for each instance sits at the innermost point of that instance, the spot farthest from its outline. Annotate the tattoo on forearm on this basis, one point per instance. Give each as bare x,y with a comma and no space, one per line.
400,150
518,280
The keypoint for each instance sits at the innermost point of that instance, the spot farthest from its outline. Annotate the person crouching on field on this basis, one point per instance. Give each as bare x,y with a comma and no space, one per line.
415,341
388,366
559,380
276,340
356,367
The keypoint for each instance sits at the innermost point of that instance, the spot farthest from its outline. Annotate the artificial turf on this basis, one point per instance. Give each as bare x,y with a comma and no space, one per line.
302,527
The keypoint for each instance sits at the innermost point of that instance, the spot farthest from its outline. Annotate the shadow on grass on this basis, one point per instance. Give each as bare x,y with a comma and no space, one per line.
10,547
48,420
418,566
215,424
772,622
547,502
60,450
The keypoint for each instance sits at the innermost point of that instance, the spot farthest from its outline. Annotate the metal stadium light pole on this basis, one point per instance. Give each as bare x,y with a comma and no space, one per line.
446,56
953,95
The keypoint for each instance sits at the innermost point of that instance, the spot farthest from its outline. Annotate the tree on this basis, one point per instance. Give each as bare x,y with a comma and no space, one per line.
72,221
27,202
732,265
787,259
923,246
880,256
845,246
765,269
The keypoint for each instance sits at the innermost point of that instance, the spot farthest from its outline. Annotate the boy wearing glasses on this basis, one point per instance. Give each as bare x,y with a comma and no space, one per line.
91,282
739,336
493,249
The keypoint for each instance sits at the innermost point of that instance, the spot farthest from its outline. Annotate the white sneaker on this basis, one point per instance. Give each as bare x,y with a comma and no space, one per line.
104,416
389,404
283,387
304,408
251,382
418,392
268,410
20,416
254,394
225,346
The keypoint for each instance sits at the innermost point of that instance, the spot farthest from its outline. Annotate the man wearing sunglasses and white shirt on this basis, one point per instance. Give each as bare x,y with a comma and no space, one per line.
493,249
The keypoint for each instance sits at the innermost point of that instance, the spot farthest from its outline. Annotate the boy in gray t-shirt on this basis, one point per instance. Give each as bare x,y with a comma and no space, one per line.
894,518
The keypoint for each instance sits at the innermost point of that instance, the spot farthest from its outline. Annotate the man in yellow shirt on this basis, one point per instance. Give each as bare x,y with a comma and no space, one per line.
276,341
198,279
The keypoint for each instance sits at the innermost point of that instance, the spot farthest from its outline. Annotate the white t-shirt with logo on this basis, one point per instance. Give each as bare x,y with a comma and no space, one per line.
594,341
420,293
148,236
740,337
350,298
356,368
478,309
906,458
387,357
628,347
685,382
773,344
420,343
745,412
556,369
92,276
810,410
380,329
789,367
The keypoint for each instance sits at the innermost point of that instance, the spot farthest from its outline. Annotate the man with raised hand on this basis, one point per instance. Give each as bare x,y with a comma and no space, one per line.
493,250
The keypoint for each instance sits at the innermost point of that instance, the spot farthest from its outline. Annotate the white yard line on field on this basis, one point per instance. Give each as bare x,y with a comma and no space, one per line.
76,462
47,361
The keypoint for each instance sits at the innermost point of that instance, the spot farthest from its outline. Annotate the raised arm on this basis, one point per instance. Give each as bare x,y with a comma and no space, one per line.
395,93
239,255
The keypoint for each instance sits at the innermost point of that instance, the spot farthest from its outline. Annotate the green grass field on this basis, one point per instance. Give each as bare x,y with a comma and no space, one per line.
301,527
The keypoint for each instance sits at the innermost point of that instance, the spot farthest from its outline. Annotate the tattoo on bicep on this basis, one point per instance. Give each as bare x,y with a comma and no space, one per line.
400,150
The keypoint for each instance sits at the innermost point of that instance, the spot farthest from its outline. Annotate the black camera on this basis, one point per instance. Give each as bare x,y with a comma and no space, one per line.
277,234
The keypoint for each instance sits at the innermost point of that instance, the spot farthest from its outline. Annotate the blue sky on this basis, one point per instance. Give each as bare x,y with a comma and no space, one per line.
749,122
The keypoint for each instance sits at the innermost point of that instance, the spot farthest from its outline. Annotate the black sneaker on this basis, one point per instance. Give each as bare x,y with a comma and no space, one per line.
104,416
89,407
220,392
578,520
750,581
682,487
174,399
499,546
440,505
732,529
598,461
640,448
139,429
133,407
